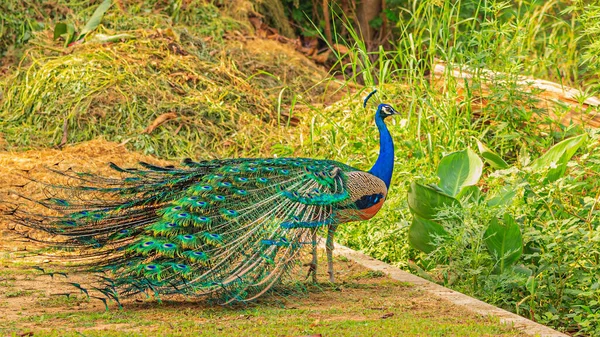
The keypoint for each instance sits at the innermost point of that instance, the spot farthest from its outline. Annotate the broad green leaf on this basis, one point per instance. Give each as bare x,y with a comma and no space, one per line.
70,35
471,193
558,156
425,202
59,29
66,31
504,197
504,241
491,157
96,18
459,169
422,232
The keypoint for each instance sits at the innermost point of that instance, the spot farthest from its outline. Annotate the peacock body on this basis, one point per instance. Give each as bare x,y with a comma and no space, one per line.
229,228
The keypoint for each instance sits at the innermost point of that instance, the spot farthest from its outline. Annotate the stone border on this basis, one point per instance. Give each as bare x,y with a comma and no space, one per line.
523,324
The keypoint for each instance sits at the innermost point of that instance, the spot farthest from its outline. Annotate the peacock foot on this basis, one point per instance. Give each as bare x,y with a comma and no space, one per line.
312,271
331,276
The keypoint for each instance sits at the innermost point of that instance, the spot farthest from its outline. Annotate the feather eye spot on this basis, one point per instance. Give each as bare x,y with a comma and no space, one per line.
151,267
188,237
148,244
168,246
284,171
181,266
177,208
206,188
269,169
262,180
203,219
225,184
201,204
193,198
198,254
171,225
241,192
231,212
234,170
219,198
124,231
242,179
251,169
183,215
60,202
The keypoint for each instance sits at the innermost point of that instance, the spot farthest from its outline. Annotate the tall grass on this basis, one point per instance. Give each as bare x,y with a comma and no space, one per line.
551,40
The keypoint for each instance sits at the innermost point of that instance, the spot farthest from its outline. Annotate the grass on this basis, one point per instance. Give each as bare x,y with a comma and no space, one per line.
224,93
263,322
348,308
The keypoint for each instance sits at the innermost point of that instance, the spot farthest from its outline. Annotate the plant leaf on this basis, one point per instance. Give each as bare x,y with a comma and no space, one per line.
66,31
425,202
471,193
422,232
558,156
70,34
504,241
102,38
459,169
504,197
96,18
493,159
59,29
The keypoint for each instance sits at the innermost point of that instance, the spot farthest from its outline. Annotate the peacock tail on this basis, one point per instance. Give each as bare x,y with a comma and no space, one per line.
228,229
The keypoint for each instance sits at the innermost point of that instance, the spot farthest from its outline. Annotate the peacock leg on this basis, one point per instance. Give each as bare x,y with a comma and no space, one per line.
313,265
329,248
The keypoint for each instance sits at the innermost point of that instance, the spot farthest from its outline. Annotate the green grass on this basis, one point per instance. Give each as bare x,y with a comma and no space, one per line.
230,98
361,303
176,321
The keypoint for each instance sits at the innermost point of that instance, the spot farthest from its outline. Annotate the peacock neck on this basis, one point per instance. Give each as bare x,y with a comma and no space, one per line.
384,166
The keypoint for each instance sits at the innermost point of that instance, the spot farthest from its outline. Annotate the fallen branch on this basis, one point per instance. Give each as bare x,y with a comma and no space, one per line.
160,120
586,112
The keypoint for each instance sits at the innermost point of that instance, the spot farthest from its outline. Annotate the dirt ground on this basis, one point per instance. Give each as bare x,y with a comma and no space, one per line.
361,303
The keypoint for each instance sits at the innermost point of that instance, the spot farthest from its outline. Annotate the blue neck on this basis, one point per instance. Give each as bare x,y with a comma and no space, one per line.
384,166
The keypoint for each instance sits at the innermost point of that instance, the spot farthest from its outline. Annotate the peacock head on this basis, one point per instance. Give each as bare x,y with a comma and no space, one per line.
383,110
386,110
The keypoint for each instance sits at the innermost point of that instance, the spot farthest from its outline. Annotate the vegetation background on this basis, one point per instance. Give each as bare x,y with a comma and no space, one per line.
206,79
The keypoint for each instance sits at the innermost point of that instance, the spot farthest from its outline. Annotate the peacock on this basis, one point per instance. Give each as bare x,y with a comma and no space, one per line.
227,229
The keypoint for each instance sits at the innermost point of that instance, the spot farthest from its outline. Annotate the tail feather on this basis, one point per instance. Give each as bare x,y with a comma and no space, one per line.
225,228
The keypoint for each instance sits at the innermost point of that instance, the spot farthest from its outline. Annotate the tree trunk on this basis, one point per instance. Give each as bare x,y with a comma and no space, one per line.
367,11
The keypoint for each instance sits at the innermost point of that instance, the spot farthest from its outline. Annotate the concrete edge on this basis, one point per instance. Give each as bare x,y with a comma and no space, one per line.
474,305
